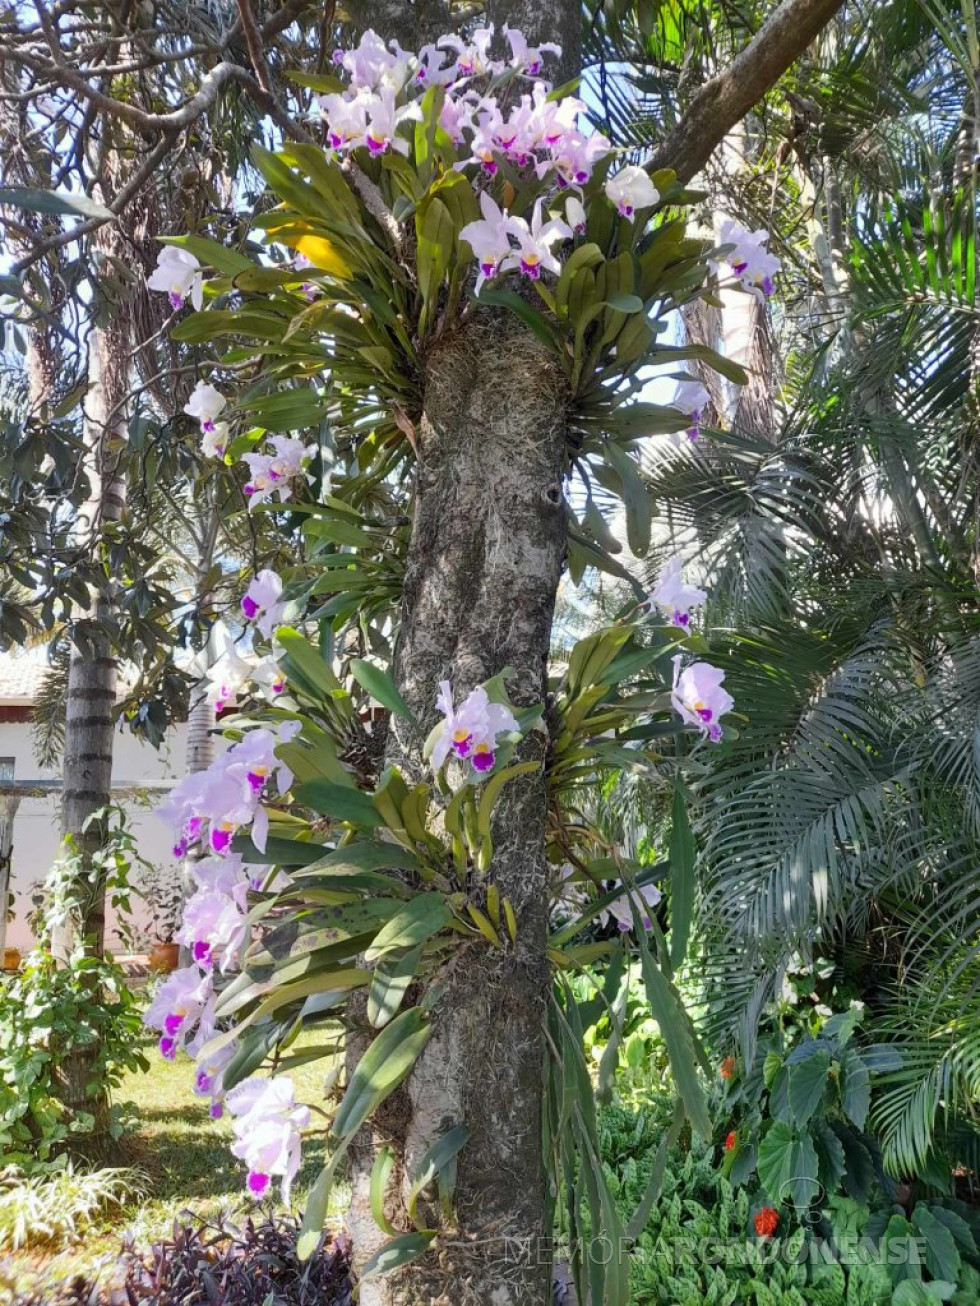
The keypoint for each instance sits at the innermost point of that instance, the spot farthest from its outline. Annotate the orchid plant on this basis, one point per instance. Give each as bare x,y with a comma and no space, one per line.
449,182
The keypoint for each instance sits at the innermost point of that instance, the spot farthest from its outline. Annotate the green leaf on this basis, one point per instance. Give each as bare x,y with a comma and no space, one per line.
53,201
625,303
675,1027
389,984
384,1164
416,922
491,792
855,1086
287,410
436,233
380,686
404,1249
435,1161
339,802
636,497
807,1082
385,1064
787,1165
942,1256
227,261
682,853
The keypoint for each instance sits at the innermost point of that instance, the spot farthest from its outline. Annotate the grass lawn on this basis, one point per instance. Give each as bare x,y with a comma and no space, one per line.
188,1166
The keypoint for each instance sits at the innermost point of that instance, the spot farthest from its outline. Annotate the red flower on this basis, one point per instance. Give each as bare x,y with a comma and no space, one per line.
766,1222
728,1068
730,1141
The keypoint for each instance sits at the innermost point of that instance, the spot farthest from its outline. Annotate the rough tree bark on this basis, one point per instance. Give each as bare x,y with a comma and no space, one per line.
485,559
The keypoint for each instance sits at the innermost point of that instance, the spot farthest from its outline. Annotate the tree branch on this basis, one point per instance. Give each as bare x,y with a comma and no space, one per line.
726,99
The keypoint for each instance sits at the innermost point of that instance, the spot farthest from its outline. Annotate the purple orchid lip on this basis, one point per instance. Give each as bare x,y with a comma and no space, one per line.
461,747
202,1082
483,761
767,286
168,1048
715,733
488,269
258,1183
278,686
274,475
704,713
531,270
249,606
533,68
256,782
625,210
338,56
337,140
172,1023
489,167
208,425
739,268
176,299
220,840
202,954
374,145
180,847
216,1111
681,618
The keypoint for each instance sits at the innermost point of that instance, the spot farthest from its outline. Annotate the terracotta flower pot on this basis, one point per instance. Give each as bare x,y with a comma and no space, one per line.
11,959
164,957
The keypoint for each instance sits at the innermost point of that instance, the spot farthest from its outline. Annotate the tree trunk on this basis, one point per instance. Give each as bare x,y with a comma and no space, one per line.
486,554
89,726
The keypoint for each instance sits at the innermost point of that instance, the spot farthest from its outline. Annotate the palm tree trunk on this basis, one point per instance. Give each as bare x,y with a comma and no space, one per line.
89,726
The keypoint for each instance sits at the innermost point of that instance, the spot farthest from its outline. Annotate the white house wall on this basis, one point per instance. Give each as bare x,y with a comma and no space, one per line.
37,823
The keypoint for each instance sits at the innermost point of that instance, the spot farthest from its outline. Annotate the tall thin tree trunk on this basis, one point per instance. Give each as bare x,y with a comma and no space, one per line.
485,558
89,726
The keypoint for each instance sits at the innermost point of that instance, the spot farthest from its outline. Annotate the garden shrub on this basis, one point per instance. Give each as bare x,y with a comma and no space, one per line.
52,1015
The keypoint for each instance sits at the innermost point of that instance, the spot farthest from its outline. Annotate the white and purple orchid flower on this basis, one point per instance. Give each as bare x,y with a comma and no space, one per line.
698,697
261,601
692,398
473,56
215,927
384,119
489,239
631,189
225,678
267,1128
528,59
209,1074
534,241
206,404
673,597
178,274
620,910
470,731
178,1008
750,260
271,476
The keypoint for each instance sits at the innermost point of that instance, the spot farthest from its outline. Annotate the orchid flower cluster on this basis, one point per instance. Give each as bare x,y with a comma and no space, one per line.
231,672
206,809
271,475
697,694
536,135
470,732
